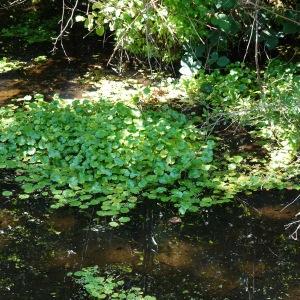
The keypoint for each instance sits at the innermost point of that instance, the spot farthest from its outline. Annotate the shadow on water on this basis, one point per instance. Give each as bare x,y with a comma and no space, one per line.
57,74
223,253
52,77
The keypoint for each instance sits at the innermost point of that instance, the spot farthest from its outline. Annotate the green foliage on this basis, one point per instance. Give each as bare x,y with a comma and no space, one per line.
163,29
204,32
139,27
109,156
40,59
32,28
151,29
279,110
7,65
270,108
7,193
107,286
223,92
280,97
196,58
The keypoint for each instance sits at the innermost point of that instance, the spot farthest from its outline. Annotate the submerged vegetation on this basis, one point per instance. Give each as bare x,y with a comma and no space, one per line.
221,121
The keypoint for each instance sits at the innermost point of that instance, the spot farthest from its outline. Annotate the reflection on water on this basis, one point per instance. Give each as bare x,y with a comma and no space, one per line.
7,219
62,223
277,212
178,254
53,76
226,253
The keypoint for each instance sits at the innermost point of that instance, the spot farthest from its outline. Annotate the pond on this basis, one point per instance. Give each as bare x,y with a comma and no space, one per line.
237,251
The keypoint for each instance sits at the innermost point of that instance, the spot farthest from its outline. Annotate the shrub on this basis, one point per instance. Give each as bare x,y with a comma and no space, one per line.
148,28
270,107
206,31
223,92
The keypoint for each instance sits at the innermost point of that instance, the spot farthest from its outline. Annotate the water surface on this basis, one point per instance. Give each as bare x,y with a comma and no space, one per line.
228,252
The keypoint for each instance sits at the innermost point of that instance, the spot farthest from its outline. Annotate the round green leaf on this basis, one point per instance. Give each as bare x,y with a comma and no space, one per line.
113,224
6,193
223,61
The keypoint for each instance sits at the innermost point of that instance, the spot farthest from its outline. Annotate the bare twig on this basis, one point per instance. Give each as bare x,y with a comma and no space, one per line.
250,38
273,12
291,203
11,4
256,40
294,235
64,26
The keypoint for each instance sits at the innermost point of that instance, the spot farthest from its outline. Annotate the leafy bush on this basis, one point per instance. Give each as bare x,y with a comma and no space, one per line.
270,107
205,31
276,116
161,29
280,102
109,156
238,93
141,28
223,92
107,286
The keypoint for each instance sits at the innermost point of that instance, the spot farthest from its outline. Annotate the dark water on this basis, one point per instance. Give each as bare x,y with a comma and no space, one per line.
224,253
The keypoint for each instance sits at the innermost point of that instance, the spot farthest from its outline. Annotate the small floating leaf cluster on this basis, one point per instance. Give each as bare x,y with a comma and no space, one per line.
108,156
107,286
